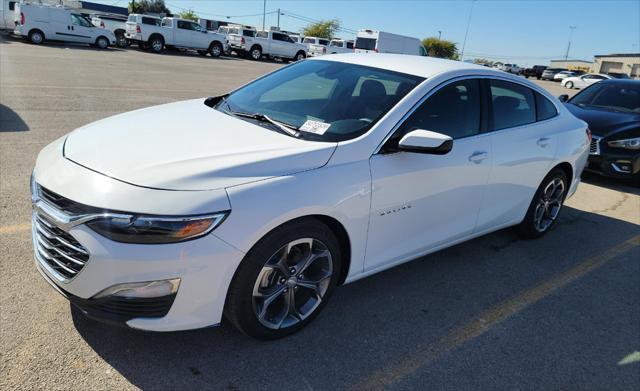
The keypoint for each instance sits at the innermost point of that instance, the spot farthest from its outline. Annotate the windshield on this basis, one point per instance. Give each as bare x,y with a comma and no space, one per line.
366,43
325,100
612,96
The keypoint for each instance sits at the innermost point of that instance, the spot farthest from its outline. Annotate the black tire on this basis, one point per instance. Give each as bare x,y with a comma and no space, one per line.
156,44
299,56
255,53
121,41
36,37
240,307
538,77
102,42
530,228
569,85
215,49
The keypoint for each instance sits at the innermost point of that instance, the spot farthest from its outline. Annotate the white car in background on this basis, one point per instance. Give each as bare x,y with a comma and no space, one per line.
259,202
563,75
583,81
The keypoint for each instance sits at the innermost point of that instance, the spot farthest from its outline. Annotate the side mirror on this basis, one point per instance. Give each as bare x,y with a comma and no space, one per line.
563,98
426,141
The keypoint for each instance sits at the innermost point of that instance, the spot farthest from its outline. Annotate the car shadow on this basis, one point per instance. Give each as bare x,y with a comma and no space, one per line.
371,323
617,184
10,121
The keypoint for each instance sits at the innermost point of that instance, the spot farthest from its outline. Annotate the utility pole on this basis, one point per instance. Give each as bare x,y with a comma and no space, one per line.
464,43
439,34
278,18
566,55
264,13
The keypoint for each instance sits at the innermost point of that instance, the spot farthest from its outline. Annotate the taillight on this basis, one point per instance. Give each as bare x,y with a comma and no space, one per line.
101,24
21,18
242,40
138,29
376,50
589,136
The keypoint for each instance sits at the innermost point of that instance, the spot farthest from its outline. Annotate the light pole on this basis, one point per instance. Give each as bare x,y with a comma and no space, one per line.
566,55
264,12
464,43
439,34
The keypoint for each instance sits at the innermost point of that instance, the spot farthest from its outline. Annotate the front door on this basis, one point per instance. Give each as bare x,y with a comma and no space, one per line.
421,201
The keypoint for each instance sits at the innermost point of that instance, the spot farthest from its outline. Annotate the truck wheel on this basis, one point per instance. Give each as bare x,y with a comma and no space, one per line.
156,44
299,56
215,49
36,37
102,42
121,41
255,53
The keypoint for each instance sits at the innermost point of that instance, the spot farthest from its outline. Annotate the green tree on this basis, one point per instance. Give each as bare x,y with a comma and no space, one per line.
440,48
189,15
148,7
482,61
322,29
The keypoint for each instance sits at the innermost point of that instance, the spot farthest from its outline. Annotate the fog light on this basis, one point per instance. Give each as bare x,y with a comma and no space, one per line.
622,166
147,289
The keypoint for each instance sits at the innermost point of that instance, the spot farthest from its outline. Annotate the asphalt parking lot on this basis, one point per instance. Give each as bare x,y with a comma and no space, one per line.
559,313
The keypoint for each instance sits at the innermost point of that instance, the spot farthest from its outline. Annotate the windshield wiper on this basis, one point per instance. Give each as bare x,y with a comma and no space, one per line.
283,126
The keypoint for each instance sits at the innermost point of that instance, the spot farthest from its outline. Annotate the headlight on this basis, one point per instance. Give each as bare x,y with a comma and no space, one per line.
630,143
156,230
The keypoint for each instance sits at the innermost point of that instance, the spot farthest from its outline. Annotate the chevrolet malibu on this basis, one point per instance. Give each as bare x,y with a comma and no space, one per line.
255,205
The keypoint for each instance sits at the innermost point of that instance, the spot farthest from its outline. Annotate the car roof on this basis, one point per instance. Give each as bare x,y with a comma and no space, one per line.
410,64
621,81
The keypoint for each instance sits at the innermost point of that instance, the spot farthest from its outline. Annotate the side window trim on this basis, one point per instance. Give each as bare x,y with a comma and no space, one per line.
432,91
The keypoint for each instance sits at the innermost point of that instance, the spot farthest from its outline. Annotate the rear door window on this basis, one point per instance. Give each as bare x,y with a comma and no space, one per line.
248,33
366,43
349,45
151,21
513,104
324,42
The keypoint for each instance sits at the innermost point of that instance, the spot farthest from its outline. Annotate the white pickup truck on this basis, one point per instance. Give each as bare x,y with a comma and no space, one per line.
335,46
273,44
174,33
116,24
237,38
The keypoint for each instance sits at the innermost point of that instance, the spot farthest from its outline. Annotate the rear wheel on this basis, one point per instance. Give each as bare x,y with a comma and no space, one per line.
156,44
546,205
215,49
569,84
255,53
121,41
36,37
102,42
285,280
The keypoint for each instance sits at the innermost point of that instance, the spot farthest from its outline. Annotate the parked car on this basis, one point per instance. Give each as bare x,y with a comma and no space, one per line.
510,68
40,23
618,75
116,24
612,109
372,41
174,33
583,81
237,38
319,45
7,18
549,73
274,44
563,75
337,46
318,174
535,71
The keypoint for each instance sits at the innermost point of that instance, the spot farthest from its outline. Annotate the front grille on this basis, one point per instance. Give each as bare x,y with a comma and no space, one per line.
65,204
594,148
57,248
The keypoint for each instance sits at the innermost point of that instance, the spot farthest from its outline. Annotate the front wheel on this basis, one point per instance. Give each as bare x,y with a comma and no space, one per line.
569,84
285,280
102,43
299,56
215,49
546,205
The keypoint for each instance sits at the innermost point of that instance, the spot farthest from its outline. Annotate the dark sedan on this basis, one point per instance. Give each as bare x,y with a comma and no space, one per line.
612,110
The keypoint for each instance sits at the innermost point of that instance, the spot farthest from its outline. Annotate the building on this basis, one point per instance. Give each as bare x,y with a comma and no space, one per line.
572,65
628,64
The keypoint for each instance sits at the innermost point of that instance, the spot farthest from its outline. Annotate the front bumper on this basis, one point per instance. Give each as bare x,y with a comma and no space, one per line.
615,162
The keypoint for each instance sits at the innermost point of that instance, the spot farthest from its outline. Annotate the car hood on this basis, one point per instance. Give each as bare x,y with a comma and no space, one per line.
190,146
605,123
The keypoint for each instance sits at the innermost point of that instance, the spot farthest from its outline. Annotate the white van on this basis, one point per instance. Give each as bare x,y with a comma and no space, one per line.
7,23
38,23
372,41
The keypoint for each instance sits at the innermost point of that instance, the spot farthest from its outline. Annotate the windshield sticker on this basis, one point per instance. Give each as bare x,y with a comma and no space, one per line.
316,127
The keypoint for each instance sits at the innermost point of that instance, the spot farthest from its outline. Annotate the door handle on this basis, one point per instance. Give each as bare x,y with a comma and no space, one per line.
543,142
478,157
68,27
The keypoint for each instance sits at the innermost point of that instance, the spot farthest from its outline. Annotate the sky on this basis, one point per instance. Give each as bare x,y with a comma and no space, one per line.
522,32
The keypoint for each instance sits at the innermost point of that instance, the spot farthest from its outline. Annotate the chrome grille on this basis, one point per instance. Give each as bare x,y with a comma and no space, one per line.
57,249
594,148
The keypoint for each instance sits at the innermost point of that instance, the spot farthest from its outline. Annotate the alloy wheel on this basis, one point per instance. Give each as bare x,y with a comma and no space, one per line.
216,51
549,205
292,283
256,54
156,45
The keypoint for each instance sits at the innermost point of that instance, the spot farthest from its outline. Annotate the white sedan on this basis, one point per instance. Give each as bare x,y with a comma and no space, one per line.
583,81
258,203
563,75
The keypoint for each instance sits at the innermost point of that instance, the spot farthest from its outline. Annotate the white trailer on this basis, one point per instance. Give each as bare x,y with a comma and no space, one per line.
373,41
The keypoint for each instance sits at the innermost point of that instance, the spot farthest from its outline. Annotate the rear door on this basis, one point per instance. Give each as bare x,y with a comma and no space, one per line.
524,142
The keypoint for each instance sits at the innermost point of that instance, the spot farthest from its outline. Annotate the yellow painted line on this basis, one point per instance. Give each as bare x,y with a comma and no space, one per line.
12,229
484,321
